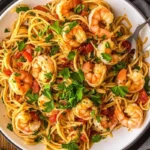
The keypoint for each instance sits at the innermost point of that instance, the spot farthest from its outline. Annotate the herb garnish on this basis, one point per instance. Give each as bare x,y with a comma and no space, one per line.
120,90
106,56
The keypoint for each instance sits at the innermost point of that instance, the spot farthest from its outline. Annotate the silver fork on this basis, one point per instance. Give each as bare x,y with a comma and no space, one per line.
137,30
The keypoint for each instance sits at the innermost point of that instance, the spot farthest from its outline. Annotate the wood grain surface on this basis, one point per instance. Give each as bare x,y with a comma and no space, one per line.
5,144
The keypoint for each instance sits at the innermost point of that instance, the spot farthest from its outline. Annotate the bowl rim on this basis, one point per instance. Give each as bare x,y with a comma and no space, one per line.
136,139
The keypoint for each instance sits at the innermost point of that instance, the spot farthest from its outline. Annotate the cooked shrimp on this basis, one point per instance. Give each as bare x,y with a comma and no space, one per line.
134,80
75,37
20,82
105,123
133,117
94,73
43,68
84,108
101,15
65,8
107,47
25,123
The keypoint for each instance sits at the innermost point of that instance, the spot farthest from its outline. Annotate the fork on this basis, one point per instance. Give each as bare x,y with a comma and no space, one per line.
137,30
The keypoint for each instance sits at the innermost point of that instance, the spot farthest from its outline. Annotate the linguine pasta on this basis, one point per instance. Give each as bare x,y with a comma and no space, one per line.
68,74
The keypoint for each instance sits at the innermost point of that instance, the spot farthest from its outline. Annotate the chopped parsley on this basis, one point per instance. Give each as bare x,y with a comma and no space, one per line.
48,38
38,139
120,90
70,146
65,73
96,138
6,30
49,106
78,76
147,86
56,27
71,55
106,56
32,97
71,26
38,48
107,45
47,93
49,75
21,45
119,34
54,50
21,8
98,118
17,74
10,127
119,66
79,8
93,113
104,37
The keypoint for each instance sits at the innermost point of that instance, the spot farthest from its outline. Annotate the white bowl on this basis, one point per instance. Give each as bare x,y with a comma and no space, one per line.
122,137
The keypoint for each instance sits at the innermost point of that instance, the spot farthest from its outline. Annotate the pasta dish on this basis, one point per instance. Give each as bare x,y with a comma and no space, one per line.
69,77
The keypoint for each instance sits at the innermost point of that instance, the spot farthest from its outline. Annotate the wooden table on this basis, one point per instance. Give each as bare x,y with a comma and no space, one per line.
5,145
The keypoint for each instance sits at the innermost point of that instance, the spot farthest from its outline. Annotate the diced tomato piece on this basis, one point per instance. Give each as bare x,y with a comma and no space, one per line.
127,45
7,72
83,137
143,97
85,49
41,8
81,120
56,16
53,117
35,87
77,2
34,115
105,112
19,64
84,13
27,56
18,55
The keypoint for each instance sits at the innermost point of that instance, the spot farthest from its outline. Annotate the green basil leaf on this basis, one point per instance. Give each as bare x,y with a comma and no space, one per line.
48,75
78,76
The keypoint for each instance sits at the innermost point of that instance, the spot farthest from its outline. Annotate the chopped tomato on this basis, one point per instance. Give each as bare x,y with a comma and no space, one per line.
53,117
85,49
27,56
34,115
84,13
81,120
28,48
35,87
7,72
56,16
19,64
83,137
41,8
77,2
18,55
127,45
105,112
143,97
